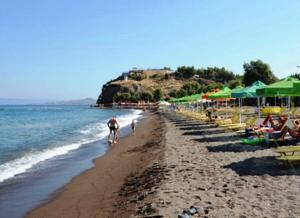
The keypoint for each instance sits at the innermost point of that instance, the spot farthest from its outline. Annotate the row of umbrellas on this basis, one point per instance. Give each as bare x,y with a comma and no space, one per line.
289,86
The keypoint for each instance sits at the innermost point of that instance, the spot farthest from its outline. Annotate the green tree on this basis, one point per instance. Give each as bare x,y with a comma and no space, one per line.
134,97
216,74
173,94
212,86
234,83
296,75
146,96
122,96
157,94
181,93
138,76
167,76
185,72
191,87
258,70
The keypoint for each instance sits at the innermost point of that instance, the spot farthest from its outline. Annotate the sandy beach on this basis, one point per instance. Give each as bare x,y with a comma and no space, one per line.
105,190
173,163
212,171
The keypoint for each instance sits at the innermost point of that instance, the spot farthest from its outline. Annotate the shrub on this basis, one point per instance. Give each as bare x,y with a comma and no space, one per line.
146,96
137,76
157,94
122,96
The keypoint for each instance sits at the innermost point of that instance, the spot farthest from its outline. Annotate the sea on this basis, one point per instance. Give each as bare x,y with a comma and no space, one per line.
43,147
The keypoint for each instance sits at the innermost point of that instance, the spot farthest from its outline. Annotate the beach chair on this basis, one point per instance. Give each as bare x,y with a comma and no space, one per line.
248,122
290,159
288,150
238,125
287,154
291,112
232,121
281,140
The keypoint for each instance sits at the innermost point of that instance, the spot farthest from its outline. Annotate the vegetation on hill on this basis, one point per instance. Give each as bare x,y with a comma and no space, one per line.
162,84
258,70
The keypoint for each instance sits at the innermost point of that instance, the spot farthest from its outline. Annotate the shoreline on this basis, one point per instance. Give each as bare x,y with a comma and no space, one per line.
175,162
44,180
98,187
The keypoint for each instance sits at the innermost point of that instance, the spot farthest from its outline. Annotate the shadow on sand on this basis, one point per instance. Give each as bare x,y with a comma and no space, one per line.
222,138
204,132
258,166
199,127
235,147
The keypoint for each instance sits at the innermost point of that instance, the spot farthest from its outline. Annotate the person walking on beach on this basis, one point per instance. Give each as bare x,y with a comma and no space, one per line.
113,126
133,126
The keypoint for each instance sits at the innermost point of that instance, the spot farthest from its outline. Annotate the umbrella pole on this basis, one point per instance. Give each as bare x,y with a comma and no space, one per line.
240,111
258,104
289,106
226,107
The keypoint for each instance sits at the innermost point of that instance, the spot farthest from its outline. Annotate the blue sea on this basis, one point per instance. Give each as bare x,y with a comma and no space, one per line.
43,147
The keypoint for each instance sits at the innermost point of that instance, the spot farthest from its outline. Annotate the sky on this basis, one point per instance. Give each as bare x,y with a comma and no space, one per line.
67,49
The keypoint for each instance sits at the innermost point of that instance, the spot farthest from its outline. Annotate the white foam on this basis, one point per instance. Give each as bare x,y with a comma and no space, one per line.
127,119
23,164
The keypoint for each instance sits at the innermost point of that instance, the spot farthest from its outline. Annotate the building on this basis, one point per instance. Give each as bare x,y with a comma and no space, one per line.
125,76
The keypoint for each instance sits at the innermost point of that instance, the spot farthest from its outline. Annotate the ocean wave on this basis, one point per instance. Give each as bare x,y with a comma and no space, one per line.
123,120
21,165
26,162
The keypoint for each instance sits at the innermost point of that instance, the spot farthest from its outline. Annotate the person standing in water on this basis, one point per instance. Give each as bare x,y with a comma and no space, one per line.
133,126
113,126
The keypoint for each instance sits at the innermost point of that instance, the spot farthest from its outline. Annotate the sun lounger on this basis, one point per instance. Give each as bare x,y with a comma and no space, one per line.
249,121
288,150
228,122
290,159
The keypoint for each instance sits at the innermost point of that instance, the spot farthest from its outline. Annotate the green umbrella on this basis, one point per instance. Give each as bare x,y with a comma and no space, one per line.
224,93
289,86
249,91
190,98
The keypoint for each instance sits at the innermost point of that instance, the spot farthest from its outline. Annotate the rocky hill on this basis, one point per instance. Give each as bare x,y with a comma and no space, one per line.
139,82
154,85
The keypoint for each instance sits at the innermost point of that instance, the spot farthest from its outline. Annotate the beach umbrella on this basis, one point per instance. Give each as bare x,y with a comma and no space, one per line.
205,96
222,94
247,92
288,86
190,98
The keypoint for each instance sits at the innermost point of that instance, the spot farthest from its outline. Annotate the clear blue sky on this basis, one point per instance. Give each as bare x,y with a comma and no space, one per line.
66,49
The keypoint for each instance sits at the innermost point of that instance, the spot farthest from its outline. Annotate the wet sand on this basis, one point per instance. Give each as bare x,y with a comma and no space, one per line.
174,162
110,189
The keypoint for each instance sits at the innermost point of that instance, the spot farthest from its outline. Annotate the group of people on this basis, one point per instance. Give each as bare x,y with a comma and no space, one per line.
279,127
114,128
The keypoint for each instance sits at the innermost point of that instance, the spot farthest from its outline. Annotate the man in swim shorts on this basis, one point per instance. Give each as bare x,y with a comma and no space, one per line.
113,126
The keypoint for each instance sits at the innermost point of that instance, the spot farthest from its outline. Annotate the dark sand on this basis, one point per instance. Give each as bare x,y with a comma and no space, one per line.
174,162
120,180
211,170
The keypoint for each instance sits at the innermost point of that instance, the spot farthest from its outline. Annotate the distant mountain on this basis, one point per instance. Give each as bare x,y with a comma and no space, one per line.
16,101
85,101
